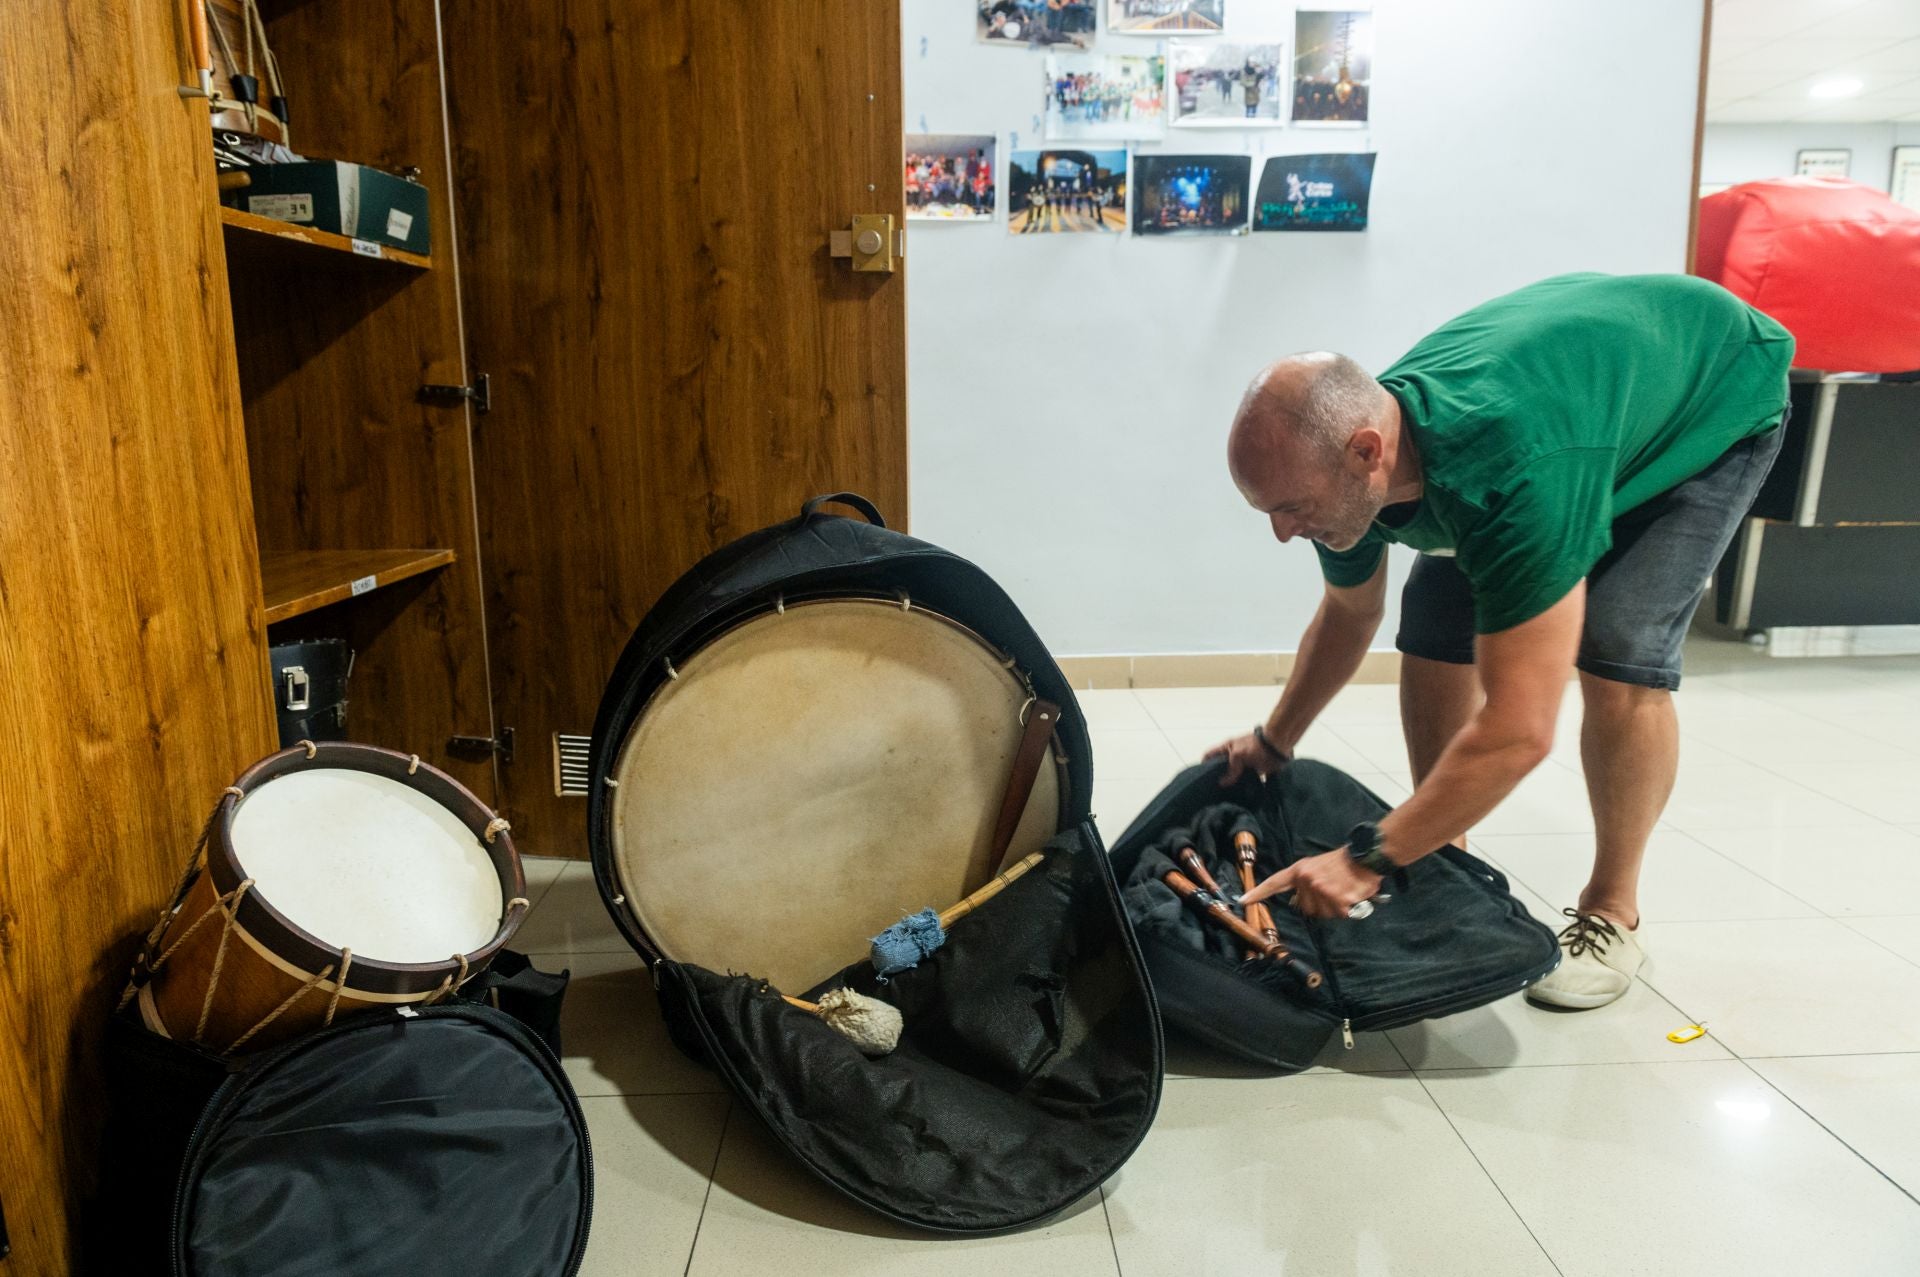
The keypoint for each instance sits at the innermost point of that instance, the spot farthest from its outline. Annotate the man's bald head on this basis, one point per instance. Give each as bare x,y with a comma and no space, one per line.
1312,446
1317,399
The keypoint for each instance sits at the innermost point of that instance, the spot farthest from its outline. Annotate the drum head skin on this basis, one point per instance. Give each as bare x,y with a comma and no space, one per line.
369,864
447,1144
811,776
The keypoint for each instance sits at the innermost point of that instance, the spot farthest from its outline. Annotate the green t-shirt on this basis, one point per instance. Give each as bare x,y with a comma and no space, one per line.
1541,416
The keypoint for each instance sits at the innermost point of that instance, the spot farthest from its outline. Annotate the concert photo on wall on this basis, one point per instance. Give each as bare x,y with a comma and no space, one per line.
1066,191
1157,17
1068,23
1225,85
950,177
1191,194
1314,193
1332,66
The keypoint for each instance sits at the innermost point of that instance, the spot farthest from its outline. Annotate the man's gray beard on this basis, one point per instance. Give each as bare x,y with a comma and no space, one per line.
1354,518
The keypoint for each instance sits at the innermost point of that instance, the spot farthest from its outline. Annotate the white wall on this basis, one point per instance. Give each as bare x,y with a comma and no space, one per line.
1068,396
1742,152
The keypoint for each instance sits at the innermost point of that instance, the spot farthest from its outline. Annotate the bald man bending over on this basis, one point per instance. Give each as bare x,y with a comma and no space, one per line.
1570,461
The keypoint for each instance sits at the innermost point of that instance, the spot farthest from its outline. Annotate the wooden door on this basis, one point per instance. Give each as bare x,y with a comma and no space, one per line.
133,671
644,195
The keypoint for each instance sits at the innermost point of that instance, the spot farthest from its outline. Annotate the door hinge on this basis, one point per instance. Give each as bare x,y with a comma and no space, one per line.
501,745
479,394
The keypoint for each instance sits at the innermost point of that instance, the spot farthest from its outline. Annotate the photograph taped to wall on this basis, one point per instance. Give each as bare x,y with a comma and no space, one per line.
950,177
1103,97
1903,183
1314,193
1220,84
1024,23
1191,194
1332,66
1158,17
1064,190
1824,162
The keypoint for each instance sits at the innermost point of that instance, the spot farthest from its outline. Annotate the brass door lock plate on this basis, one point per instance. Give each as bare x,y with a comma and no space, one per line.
872,242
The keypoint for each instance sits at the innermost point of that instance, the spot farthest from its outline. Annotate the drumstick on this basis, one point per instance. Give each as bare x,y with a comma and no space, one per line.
901,946
1257,916
1215,909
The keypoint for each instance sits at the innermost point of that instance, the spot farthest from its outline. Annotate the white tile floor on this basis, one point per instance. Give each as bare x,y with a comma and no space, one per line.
1782,894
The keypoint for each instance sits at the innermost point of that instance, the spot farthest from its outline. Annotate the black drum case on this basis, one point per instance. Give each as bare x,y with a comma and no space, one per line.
1030,1065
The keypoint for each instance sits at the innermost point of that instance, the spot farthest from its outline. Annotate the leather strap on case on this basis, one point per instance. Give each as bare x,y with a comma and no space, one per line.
1043,717
868,510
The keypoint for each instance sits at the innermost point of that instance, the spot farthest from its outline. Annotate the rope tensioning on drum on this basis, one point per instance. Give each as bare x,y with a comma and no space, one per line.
144,968
312,982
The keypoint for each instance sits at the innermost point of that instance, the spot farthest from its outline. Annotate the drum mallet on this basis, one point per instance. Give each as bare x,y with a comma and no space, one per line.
902,946
1215,910
870,1024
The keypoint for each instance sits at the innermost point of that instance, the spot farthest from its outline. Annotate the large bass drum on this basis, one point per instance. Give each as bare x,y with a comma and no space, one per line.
854,751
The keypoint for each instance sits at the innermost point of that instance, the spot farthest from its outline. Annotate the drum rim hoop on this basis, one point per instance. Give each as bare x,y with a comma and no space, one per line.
296,945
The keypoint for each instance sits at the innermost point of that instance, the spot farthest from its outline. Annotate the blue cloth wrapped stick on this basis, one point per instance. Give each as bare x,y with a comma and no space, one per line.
902,946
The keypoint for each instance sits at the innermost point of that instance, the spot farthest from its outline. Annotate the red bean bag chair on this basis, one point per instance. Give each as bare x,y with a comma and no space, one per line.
1837,263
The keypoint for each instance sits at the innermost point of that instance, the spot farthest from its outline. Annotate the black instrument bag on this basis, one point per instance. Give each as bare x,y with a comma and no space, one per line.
1451,937
1030,1064
422,1141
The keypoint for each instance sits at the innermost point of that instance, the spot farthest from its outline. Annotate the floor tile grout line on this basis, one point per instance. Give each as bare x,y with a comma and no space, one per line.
1758,877
1870,940
1728,1058
726,1121
1828,1055
1475,1155
1831,1133
1791,779
1113,1243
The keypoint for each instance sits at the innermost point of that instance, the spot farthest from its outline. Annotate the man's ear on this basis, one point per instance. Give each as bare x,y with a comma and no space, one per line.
1368,447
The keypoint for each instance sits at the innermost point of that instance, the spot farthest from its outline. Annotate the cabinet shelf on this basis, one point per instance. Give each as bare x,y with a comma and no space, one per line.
298,581
250,232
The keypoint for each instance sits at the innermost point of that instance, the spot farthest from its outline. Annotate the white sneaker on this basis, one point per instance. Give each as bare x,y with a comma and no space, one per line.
1597,964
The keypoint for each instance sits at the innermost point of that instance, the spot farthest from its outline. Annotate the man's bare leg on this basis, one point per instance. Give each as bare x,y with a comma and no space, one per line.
1436,700
1630,750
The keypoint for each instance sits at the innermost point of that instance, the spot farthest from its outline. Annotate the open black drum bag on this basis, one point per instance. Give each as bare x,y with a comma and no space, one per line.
807,738
1451,937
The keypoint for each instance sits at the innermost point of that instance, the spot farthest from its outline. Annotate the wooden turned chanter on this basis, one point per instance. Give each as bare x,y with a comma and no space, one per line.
1215,909
1257,916
1197,869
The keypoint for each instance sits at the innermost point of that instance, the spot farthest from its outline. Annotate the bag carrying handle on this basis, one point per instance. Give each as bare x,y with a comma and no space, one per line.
868,510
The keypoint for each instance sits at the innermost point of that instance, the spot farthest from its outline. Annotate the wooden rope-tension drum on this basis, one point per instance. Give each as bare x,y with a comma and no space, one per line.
331,877
810,774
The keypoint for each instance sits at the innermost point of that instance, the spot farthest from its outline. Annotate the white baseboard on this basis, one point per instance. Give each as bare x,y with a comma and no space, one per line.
1206,669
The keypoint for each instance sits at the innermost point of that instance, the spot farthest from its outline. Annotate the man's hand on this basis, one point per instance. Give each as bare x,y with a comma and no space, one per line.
1246,754
1323,886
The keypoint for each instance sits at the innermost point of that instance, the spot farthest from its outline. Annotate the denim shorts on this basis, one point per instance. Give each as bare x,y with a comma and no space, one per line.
1641,595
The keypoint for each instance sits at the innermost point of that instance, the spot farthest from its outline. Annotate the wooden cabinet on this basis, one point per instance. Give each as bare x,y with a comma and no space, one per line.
215,437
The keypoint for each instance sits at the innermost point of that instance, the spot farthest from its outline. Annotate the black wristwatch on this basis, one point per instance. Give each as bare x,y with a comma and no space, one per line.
1363,844
1273,751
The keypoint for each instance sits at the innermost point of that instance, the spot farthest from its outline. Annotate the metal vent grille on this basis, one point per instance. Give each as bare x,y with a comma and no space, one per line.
570,765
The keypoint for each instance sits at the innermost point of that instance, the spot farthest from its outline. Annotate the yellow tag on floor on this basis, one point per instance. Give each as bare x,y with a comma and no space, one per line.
1680,1037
